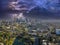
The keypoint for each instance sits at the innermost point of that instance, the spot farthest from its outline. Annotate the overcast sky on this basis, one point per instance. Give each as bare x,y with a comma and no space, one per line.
48,5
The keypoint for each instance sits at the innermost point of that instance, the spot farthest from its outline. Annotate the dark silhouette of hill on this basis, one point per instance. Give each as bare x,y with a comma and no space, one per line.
43,13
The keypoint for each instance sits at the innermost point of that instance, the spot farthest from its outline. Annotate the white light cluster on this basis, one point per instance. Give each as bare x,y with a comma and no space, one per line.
18,16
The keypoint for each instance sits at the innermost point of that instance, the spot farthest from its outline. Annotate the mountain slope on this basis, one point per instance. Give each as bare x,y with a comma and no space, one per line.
42,13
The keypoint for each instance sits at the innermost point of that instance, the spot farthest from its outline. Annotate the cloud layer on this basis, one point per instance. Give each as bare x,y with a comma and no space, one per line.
51,5
47,4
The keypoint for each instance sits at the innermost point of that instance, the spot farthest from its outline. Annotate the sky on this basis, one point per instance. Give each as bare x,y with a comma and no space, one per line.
46,8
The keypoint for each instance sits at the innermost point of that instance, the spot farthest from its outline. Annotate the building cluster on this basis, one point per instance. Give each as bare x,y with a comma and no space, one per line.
33,32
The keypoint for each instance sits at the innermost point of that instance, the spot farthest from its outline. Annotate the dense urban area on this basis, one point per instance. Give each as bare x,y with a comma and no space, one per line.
29,32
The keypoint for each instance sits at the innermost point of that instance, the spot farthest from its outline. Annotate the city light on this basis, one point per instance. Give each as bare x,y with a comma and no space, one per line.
20,16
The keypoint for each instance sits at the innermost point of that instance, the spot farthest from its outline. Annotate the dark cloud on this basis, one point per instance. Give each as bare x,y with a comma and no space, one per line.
51,5
36,8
